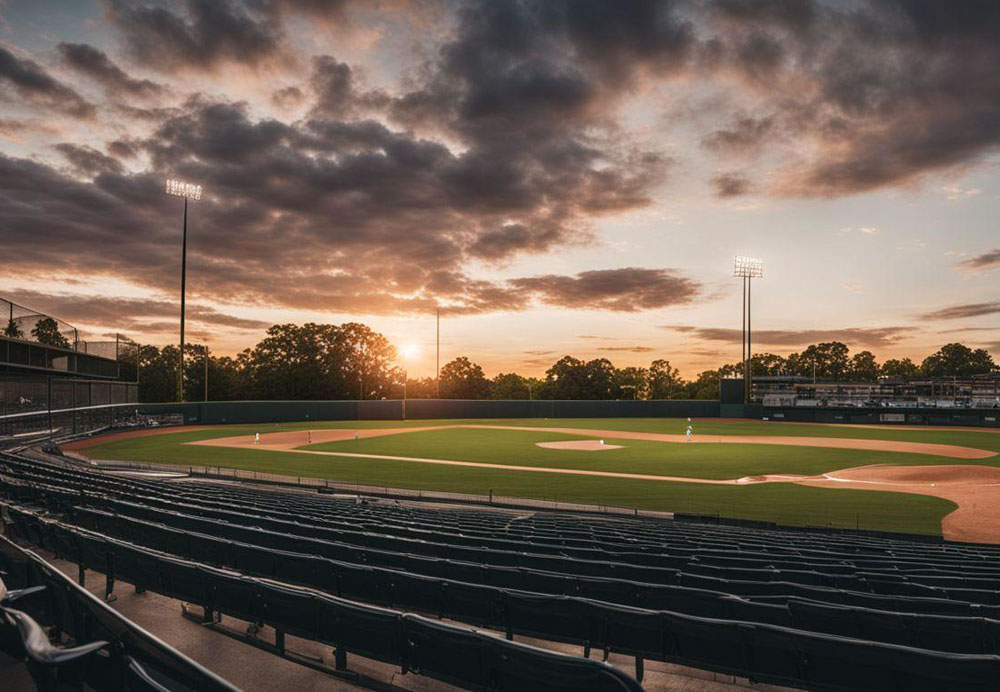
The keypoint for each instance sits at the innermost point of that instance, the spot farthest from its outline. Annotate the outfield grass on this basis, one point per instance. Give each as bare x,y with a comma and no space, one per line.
716,461
784,503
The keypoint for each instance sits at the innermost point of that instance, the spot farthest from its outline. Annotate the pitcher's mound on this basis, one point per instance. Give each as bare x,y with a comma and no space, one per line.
579,445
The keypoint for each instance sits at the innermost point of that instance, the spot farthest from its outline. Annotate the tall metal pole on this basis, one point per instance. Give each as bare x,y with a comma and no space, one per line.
749,341
437,363
743,342
404,394
206,373
184,244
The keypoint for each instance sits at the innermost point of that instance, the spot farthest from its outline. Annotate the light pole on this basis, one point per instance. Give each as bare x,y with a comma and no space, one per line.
747,268
408,353
193,192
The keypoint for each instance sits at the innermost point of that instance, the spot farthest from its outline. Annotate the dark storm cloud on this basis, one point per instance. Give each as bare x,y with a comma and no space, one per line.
197,33
987,260
956,312
98,66
629,289
33,84
731,185
88,161
899,89
856,336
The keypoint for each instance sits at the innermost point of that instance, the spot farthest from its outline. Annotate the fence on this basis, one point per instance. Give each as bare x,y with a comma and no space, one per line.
987,418
216,412
63,405
25,324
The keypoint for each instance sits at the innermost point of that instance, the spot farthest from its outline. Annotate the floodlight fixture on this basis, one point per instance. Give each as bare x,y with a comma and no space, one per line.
748,267
178,188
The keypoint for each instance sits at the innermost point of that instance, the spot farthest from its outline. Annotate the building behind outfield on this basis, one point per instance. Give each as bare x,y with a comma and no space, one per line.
53,379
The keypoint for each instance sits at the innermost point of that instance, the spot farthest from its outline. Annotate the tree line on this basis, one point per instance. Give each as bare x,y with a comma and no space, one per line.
351,361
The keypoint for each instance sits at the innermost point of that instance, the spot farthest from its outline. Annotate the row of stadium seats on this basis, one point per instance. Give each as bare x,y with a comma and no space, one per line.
930,580
767,653
586,621
111,652
626,586
445,652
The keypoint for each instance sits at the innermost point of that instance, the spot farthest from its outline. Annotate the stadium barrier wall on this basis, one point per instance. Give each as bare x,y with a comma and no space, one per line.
217,412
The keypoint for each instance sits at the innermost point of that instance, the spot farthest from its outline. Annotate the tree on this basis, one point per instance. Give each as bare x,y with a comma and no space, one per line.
12,331
706,385
509,386
957,360
600,374
664,380
827,361
157,373
631,383
463,379
767,365
566,379
864,367
46,331
901,369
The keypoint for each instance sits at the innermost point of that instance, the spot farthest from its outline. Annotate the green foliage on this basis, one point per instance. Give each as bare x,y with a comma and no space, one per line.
46,331
12,331
899,368
463,379
958,360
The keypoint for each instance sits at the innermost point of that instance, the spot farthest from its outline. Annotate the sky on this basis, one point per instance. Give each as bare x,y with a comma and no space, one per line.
555,176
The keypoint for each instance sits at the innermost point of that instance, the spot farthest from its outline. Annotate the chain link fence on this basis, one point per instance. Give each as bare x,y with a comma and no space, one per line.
23,323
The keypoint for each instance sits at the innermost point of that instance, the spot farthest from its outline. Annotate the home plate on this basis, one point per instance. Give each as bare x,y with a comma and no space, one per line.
579,445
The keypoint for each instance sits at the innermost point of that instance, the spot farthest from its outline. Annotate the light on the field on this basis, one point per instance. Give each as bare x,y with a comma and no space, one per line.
409,351
179,188
750,267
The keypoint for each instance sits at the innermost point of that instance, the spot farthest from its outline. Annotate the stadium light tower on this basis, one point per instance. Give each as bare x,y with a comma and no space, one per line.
188,191
748,268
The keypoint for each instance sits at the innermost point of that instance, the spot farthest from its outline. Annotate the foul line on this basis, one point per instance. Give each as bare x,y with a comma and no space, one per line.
539,469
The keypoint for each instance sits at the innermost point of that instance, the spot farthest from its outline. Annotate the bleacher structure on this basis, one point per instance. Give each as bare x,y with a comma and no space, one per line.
407,584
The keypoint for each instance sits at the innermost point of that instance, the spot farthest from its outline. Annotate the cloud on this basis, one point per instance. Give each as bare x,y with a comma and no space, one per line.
629,289
956,312
202,34
36,86
95,63
628,349
863,230
874,337
88,161
731,185
741,136
984,261
128,313
955,192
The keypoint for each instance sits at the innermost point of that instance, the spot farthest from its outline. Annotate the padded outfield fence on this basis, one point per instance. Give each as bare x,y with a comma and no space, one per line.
218,412
837,612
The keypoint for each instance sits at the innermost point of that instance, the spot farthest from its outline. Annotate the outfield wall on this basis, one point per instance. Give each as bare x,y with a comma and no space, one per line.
216,412
982,417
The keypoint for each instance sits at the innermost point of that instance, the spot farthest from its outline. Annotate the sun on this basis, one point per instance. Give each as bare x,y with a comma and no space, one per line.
409,351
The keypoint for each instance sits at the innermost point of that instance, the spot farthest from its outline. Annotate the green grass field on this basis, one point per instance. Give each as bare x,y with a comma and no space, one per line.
784,503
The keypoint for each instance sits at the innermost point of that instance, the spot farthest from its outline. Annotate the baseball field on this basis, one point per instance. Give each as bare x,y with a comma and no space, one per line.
926,480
